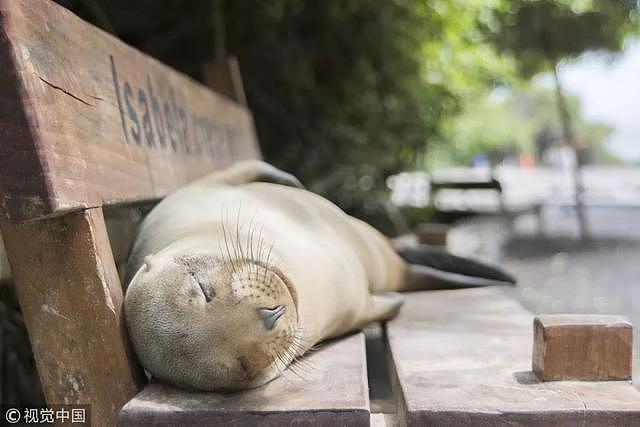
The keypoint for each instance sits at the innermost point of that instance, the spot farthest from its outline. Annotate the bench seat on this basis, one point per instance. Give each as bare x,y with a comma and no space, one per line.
329,389
464,358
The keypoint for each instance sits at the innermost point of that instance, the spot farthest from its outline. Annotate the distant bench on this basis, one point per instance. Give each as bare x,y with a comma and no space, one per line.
466,185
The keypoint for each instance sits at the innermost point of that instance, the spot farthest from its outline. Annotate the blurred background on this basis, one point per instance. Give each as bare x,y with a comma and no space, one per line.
513,124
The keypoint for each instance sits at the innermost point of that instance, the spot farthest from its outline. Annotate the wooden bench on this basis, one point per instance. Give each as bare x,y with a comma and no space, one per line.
88,123
468,185
464,358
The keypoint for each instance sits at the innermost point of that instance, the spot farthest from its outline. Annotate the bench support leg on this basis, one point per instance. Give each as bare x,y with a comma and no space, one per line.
71,300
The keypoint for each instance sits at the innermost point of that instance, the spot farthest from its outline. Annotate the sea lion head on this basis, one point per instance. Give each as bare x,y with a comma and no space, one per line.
203,321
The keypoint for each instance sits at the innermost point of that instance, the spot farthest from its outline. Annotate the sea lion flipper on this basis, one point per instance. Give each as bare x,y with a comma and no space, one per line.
434,268
425,278
246,171
383,306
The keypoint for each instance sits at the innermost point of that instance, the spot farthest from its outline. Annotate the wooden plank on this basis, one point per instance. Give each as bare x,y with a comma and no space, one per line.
463,358
582,347
430,233
87,120
71,300
331,389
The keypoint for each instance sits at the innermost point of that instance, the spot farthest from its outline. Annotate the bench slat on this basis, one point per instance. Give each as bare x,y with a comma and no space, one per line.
86,120
464,358
330,389
492,184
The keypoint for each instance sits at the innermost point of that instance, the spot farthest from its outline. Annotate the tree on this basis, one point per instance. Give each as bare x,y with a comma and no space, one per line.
508,121
540,33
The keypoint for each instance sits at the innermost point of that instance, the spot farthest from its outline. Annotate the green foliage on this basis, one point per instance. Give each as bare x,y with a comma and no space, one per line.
539,33
532,36
337,90
508,121
345,93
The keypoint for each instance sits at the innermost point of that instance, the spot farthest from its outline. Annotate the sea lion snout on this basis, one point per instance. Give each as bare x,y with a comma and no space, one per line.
199,321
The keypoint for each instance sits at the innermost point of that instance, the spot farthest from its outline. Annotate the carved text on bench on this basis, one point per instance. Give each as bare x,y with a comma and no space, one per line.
163,123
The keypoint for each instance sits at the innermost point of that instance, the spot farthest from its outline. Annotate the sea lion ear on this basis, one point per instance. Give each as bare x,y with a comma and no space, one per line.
246,171
276,176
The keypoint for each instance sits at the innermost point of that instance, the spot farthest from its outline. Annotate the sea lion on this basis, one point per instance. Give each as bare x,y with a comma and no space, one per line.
232,278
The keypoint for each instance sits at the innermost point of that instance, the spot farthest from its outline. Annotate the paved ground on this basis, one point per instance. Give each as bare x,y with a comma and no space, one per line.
559,274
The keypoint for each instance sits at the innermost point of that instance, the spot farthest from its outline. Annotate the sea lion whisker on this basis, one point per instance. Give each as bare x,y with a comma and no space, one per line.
297,365
280,369
291,368
238,230
297,352
250,237
260,243
300,342
274,360
304,366
285,369
234,246
227,265
266,263
256,245
297,344
295,370
226,243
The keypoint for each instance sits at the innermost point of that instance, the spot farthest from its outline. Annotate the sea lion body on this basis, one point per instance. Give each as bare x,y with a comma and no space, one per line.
231,279
333,262
328,262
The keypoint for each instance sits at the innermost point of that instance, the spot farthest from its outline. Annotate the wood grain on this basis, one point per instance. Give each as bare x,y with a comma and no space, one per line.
71,299
582,347
463,358
87,120
330,389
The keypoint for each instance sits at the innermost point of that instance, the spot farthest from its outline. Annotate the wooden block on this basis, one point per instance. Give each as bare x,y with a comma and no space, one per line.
86,120
432,234
463,357
582,347
71,301
330,389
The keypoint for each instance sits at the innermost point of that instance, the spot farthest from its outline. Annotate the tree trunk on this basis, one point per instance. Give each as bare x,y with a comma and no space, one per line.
569,137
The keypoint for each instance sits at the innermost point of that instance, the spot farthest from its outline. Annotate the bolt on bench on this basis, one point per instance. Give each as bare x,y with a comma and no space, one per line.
86,123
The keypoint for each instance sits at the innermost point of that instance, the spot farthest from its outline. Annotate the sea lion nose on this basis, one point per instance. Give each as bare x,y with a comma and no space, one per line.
269,316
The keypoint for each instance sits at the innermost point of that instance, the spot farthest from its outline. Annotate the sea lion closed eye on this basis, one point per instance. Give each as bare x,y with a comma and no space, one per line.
230,279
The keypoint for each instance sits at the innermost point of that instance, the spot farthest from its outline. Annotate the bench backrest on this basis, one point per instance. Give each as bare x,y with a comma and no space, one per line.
86,120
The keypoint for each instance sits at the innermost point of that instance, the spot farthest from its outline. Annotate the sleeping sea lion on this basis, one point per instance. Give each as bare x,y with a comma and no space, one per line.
232,278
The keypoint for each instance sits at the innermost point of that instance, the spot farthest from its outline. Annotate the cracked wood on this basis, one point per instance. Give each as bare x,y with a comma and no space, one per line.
87,120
